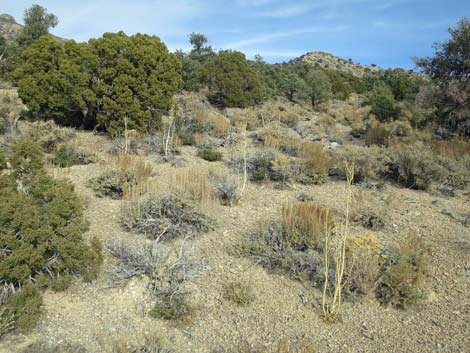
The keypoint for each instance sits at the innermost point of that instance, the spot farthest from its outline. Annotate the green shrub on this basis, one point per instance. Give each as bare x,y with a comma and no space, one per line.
42,225
268,166
232,82
3,160
239,293
24,307
26,157
187,138
67,156
210,155
383,104
403,274
113,184
172,307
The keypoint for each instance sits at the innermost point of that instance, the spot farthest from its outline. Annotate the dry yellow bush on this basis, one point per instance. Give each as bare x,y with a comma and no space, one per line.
363,261
316,160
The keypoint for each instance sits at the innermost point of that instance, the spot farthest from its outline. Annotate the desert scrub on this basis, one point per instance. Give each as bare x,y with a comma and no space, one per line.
210,155
166,216
121,175
403,274
169,272
48,347
313,163
264,166
363,256
113,184
293,244
228,186
239,292
172,307
378,135
368,162
68,155
47,134
275,138
414,166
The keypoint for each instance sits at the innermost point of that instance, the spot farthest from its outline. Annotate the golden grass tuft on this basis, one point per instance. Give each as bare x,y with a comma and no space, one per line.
304,223
218,123
192,184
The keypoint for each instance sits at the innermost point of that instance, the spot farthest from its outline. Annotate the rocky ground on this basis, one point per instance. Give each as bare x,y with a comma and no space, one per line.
91,314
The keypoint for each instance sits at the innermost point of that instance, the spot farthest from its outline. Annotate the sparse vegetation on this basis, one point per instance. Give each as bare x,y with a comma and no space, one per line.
404,271
164,217
340,179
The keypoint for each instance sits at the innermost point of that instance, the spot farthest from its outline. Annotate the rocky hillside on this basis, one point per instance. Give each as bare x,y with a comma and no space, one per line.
330,61
8,27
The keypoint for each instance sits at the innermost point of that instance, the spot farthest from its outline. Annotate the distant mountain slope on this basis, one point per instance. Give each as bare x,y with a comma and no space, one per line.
10,29
330,61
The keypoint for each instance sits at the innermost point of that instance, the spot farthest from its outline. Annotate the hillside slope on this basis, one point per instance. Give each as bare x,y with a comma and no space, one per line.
330,61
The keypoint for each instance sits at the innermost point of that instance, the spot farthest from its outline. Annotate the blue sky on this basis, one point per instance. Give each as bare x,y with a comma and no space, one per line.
383,32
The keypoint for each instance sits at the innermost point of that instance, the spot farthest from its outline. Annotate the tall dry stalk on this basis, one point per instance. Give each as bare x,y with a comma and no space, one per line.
331,303
245,168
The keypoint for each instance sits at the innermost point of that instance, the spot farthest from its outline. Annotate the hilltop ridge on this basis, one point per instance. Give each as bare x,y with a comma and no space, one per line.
329,61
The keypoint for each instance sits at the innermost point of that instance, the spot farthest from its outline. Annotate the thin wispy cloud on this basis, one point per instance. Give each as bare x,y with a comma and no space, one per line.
280,35
288,11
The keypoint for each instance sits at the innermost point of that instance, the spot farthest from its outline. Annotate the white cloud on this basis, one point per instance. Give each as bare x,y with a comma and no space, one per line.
280,35
289,10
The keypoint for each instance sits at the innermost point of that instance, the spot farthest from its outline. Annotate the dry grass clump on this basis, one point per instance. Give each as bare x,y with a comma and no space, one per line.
122,174
304,224
164,217
132,342
239,292
364,260
403,274
11,109
192,184
218,124
378,135
453,148
367,212
274,138
46,133
314,164
169,273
